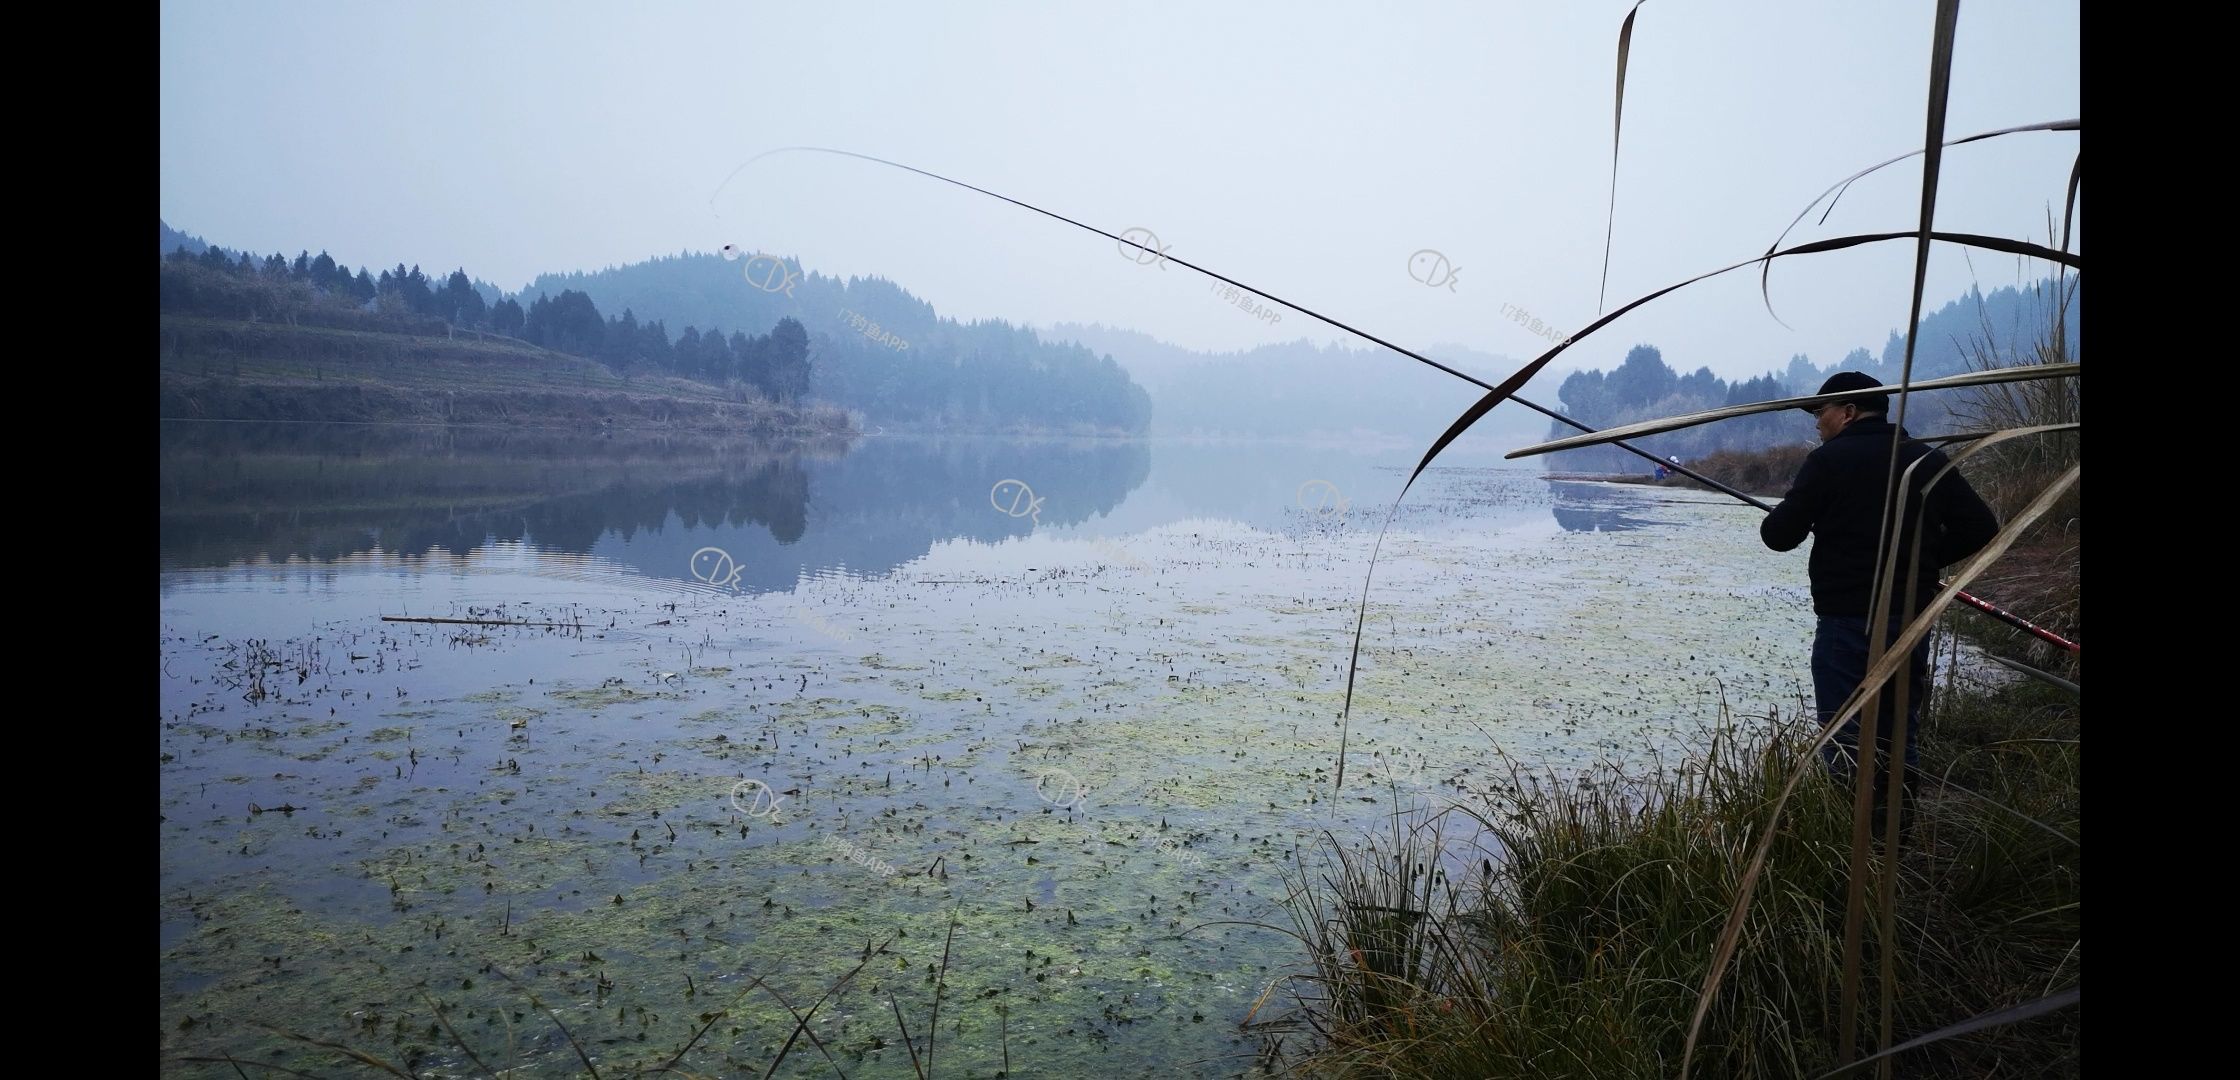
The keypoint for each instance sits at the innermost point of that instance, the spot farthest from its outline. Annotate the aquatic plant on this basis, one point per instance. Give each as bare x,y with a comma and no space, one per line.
1868,869
513,1060
1563,929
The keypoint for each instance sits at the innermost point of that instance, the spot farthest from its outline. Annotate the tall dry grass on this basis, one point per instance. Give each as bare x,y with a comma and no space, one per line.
1565,929
2043,575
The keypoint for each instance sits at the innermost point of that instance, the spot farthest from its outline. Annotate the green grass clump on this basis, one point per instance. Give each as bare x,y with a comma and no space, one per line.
1571,933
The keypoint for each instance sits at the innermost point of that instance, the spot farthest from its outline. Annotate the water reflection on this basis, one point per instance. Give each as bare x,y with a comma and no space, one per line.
243,493
424,500
1593,507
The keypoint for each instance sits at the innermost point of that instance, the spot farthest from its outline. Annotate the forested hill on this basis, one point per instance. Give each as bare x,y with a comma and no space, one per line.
2000,329
1993,325
878,349
169,240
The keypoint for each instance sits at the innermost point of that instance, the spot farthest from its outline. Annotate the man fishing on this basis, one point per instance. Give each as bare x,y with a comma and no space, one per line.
1838,497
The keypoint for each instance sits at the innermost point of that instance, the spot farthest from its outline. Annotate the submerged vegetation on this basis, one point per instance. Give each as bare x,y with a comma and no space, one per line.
1595,921
1194,691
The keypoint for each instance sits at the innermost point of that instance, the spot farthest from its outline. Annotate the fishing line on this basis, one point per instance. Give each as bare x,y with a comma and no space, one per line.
1506,391
1418,357
1363,334
1494,396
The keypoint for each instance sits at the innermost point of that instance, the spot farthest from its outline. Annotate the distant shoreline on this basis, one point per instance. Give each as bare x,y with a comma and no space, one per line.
1757,472
217,369
273,372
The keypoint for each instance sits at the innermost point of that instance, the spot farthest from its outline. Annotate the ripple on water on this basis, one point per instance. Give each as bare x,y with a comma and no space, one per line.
1191,692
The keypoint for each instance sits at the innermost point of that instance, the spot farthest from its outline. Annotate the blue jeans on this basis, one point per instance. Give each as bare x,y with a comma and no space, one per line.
1839,662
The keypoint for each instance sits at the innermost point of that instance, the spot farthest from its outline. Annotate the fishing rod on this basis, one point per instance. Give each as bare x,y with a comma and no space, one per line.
1674,423
1970,599
1976,602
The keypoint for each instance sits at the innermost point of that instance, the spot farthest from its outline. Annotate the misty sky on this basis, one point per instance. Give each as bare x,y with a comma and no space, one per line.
1309,149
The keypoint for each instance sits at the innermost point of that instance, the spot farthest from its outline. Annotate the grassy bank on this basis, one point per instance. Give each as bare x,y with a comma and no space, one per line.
1569,930
217,369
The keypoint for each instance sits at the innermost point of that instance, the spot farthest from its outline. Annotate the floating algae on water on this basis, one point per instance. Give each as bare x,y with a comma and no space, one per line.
1101,801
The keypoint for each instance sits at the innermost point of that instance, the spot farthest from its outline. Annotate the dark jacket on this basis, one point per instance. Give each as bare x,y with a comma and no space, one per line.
1838,498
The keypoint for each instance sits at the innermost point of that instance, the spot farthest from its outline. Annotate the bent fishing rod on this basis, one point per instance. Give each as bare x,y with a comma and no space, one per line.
1972,600
1977,602
1968,598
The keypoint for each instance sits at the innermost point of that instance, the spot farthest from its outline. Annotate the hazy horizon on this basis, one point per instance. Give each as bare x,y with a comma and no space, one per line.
1313,152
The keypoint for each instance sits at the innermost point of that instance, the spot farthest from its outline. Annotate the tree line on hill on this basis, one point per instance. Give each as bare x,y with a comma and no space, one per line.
318,291
881,350
877,349
1972,332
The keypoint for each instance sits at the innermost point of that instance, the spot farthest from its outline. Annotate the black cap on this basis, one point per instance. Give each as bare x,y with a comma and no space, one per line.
1854,380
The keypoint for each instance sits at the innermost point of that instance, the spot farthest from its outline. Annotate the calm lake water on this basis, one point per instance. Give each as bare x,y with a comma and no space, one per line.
773,721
